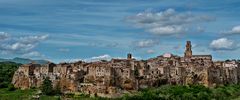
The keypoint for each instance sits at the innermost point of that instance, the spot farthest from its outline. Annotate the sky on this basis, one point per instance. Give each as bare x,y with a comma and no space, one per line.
60,30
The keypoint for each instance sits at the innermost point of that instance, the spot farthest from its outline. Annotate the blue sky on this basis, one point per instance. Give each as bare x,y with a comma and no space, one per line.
60,30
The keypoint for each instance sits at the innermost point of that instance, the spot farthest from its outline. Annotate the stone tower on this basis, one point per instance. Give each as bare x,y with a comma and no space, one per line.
129,56
188,51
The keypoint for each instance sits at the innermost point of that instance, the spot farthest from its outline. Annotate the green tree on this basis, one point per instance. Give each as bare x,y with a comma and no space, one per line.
7,70
57,90
47,87
11,87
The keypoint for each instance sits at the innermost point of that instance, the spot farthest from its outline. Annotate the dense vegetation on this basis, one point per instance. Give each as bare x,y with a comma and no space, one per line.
47,88
166,92
7,70
193,92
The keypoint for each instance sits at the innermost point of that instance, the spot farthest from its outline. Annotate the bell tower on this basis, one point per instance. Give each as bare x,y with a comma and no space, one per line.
129,56
188,51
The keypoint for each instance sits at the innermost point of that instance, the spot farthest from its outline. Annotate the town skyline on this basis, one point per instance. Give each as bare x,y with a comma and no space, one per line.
115,78
87,30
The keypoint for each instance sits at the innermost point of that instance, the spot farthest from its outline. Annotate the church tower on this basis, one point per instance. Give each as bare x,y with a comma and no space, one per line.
188,51
129,56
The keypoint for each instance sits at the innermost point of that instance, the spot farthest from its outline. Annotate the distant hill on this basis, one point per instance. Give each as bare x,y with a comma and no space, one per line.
23,60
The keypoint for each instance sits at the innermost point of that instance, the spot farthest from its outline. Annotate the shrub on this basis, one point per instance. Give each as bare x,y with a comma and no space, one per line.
7,70
11,87
47,87
3,84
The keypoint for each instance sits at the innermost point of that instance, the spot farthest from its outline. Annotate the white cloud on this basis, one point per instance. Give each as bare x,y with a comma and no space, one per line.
3,36
145,43
166,22
23,46
106,57
150,51
223,44
166,30
71,60
91,59
18,46
101,57
194,45
234,30
98,58
33,39
33,54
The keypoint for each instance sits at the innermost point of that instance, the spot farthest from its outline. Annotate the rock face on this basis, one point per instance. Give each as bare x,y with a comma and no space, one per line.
111,78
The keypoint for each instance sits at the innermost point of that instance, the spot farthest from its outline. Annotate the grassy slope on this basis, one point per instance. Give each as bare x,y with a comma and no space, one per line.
27,95
15,95
22,95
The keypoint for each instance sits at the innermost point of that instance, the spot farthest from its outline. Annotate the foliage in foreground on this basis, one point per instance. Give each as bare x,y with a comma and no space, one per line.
47,88
167,92
193,92
7,70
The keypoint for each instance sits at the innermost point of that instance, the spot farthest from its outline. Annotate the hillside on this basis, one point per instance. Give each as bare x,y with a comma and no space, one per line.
23,60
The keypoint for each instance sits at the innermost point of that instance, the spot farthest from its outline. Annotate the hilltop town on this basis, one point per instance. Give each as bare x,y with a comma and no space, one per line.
117,76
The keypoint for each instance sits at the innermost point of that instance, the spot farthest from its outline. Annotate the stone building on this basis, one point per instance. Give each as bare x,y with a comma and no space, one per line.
111,78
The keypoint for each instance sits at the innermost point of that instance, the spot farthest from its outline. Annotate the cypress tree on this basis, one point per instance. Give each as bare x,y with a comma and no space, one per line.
47,87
